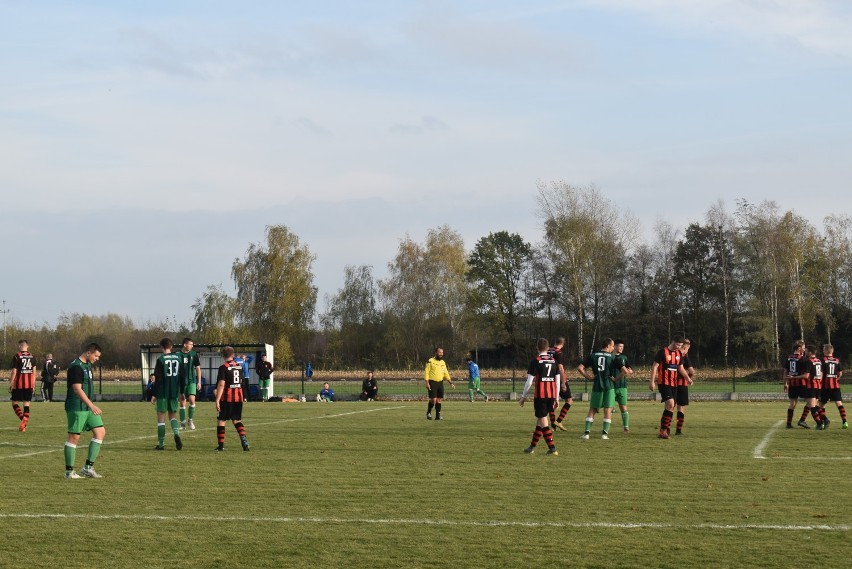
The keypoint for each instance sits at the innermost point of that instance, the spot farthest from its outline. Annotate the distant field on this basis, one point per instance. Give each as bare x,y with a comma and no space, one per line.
409,383
376,485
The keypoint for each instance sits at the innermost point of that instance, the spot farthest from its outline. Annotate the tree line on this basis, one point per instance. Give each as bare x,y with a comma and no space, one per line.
743,285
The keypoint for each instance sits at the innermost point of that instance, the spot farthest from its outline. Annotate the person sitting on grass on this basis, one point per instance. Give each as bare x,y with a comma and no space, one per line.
326,395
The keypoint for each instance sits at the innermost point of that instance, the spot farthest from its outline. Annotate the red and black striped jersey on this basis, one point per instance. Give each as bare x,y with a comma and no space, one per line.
684,361
545,371
831,372
796,365
667,371
231,373
24,364
814,371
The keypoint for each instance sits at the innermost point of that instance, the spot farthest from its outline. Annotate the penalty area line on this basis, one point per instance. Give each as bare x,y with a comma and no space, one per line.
758,450
429,522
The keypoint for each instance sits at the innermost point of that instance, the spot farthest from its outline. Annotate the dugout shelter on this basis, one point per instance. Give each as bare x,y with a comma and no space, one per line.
210,358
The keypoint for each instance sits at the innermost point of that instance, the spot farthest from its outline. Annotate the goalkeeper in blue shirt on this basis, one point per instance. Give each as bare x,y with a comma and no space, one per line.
473,380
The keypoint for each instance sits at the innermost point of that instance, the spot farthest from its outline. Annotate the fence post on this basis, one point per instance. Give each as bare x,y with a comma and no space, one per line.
100,379
302,365
734,387
513,376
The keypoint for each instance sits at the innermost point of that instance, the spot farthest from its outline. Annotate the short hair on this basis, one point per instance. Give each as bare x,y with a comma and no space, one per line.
542,344
559,341
438,348
798,344
677,339
92,348
227,352
606,342
618,341
187,339
23,342
811,348
687,341
828,348
166,343
468,359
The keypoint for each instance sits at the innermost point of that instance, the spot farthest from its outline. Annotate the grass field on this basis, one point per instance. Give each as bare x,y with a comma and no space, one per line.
376,485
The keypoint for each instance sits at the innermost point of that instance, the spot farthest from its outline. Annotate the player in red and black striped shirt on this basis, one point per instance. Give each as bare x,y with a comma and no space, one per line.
794,370
558,353
22,384
813,386
544,374
831,374
229,398
664,375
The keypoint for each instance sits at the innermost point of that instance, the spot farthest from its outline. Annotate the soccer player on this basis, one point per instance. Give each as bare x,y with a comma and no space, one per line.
229,399
263,368
831,374
599,368
664,375
22,383
682,388
435,374
544,373
473,380
621,384
82,414
794,382
168,379
191,382
813,387
565,388
49,373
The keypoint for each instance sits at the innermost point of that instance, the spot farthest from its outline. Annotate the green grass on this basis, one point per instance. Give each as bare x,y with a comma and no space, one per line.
376,485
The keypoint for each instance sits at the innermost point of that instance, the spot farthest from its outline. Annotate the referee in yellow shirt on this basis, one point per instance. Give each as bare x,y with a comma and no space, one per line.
434,376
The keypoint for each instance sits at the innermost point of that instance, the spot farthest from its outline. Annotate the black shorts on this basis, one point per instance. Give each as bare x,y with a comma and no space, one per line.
566,393
806,392
22,395
436,390
682,395
543,407
230,411
827,395
795,392
666,392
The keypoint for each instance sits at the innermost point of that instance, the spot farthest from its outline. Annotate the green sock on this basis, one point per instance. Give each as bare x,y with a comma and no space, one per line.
94,450
606,424
625,418
161,433
470,392
483,394
182,414
589,425
175,427
191,412
70,455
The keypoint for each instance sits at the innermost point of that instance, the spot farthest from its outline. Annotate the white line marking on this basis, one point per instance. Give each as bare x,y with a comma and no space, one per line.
758,450
428,522
109,442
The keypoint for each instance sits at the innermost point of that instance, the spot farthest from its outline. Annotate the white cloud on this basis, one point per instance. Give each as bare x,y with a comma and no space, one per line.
820,26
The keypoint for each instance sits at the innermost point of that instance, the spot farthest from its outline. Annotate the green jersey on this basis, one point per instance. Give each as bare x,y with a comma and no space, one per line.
79,372
168,376
189,361
602,364
621,361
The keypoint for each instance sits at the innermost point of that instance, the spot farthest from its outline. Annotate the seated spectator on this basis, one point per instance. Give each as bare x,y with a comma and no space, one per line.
369,388
326,395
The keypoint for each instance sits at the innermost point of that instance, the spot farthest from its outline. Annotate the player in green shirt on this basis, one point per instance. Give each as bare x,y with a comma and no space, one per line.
82,414
168,379
192,383
621,384
600,367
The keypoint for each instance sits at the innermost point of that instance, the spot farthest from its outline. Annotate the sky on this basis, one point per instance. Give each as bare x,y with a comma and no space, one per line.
145,145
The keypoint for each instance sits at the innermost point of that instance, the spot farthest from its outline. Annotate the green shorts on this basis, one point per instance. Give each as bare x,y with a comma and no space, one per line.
473,383
167,405
79,421
621,395
602,399
263,383
190,389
